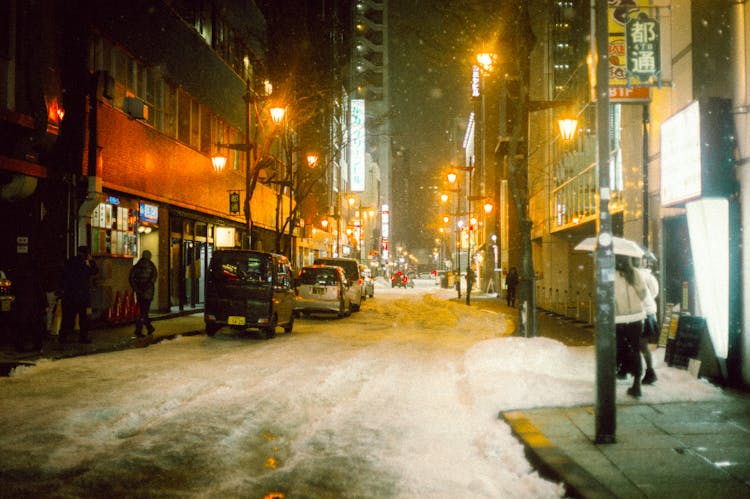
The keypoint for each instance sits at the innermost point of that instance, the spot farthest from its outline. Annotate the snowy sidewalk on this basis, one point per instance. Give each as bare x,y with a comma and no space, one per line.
678,449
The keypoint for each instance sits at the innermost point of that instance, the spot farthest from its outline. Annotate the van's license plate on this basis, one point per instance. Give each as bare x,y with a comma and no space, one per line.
236,320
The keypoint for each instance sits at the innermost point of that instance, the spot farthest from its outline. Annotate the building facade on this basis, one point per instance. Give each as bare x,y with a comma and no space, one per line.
676,167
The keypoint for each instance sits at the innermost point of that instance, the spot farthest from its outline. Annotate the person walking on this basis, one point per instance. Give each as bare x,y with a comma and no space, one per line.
511,283
470,278
650,326
76,298
630,291
30,307
142,279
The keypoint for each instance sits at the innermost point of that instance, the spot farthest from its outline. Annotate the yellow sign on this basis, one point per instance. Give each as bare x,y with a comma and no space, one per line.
619,12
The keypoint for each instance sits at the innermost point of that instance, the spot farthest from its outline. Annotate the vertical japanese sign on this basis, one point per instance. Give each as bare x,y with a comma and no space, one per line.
621,89
642,46
234,202
475,86
357,145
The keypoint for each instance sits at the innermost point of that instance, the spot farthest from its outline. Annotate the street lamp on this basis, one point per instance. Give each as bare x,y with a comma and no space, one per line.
219,161
568,128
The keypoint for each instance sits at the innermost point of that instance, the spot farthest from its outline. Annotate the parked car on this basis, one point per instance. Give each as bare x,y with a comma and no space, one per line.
322,288
401,280
6,293
369,281
248,289
353,278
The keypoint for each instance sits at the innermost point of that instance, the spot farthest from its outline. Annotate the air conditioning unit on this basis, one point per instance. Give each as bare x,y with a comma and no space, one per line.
135,108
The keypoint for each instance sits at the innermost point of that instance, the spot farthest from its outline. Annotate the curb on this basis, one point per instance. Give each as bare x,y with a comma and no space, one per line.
553,463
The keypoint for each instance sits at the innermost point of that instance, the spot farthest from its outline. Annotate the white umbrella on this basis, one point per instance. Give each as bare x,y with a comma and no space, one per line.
620,246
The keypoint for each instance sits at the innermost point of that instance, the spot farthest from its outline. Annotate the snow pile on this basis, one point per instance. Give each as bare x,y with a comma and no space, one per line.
399,400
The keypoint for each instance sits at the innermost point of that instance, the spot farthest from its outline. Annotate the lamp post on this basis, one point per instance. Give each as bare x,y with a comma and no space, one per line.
452,179
248,147
487,62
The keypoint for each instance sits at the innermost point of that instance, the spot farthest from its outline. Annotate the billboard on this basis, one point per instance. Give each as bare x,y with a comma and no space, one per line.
357,146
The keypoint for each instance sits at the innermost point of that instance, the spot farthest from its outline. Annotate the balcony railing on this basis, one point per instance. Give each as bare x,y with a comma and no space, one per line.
575,200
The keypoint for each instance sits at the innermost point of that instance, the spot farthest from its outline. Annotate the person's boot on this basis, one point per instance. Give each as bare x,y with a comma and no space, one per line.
649,378
635,390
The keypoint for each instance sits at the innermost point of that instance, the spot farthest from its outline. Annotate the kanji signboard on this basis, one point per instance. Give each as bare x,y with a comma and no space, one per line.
642,48
234,202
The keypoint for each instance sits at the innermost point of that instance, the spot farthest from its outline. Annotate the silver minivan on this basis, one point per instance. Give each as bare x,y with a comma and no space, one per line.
322,288
353,278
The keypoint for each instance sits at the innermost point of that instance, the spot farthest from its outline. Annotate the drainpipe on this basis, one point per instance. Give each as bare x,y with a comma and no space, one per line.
94,191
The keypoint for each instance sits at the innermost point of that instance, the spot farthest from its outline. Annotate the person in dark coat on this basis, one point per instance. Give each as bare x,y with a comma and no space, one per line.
511,283
30,308
142,279
76,298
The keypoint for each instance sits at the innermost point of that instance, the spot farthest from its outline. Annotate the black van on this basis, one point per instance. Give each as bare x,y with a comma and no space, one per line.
248,289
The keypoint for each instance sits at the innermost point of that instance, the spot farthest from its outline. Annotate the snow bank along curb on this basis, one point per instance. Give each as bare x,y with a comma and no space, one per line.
551,462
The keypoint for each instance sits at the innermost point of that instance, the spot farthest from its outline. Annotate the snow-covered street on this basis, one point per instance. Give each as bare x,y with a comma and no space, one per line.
399,400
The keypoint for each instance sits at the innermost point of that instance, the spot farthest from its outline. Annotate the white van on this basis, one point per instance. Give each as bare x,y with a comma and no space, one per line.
353,277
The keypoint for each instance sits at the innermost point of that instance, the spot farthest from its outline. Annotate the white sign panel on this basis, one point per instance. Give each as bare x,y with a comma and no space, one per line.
385,221
224,237
357,145
681,156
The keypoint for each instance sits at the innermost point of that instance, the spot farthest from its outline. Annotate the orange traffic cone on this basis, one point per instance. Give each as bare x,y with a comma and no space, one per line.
117,308
127,312
132,307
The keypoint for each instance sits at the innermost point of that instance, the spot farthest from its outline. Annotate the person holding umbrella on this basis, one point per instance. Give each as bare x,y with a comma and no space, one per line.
650,329
630,291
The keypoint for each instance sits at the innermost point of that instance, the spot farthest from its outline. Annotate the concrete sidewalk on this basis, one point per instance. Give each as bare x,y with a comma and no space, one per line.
686,450
107,338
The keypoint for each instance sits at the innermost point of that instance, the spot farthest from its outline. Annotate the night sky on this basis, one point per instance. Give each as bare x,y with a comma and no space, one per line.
432,48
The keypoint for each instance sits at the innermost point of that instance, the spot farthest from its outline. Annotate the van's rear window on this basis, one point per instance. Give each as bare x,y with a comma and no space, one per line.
241,268
322,277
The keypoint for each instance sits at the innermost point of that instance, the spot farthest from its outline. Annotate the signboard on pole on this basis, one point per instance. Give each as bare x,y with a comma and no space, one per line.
634,53
642,46
357,145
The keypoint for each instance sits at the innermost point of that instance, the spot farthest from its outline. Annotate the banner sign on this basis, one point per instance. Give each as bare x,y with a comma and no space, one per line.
357,145
642,46
234,202
621,84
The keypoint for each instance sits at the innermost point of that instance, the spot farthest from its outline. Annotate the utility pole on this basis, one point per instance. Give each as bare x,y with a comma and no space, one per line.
605,415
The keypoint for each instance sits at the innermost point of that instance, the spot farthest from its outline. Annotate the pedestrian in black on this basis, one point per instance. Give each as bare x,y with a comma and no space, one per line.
511,283
30,308
470,277
76,297
142,279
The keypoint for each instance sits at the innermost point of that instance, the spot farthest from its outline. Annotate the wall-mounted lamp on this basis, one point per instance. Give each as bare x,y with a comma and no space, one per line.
568,128
218,161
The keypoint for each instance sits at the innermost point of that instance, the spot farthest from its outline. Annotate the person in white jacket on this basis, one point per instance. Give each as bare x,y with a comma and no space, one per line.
650,327
630,290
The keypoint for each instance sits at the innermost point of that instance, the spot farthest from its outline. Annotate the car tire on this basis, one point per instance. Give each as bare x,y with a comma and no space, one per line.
290,325
211,329
270,330
355,306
